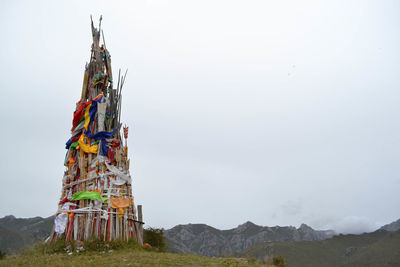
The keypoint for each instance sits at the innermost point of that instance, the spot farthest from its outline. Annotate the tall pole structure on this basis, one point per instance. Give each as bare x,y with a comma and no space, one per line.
96,199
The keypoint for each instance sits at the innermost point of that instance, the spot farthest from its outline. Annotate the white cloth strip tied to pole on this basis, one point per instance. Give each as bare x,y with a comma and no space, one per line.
60,221
101,111
86,210
79,182
117,172
116,181
82,210
67,177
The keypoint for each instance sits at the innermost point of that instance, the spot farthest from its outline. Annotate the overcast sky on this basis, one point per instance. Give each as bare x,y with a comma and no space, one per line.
275,112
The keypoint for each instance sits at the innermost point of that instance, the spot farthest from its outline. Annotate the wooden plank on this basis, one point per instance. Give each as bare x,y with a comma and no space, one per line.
76,227
116,226
112,225
140,214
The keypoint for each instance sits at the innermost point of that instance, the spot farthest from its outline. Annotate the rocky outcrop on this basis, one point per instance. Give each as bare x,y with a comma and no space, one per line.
392,227
208,241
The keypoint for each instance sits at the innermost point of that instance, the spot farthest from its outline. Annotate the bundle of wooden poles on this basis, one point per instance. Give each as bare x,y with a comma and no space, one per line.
96,200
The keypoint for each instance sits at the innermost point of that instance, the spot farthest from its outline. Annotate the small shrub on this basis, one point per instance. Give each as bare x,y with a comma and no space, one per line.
229,262
251,260
279,261
2,255
155,237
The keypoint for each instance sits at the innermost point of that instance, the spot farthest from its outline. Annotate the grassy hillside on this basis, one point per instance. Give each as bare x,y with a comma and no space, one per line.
380,248
122,258
10,241
129,256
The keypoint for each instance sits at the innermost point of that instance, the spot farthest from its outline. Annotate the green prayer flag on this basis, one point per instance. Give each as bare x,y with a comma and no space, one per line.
74,144
87,195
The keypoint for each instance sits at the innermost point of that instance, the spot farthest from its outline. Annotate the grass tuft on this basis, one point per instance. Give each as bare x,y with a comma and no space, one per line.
94,245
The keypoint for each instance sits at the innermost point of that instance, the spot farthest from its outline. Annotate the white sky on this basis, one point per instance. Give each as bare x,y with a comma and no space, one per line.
277,112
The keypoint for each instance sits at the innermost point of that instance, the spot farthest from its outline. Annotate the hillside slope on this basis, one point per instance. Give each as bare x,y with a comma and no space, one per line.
208,241
17,233
380,248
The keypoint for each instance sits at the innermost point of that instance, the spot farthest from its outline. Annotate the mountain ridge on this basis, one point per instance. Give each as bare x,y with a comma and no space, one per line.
379,248
208,241
18,233
202,239
392,227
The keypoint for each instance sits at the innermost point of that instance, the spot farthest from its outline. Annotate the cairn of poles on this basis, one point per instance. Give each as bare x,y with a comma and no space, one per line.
96,200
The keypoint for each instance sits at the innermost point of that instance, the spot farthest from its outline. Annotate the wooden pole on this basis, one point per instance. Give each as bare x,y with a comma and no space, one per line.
116,226
140,219
76,228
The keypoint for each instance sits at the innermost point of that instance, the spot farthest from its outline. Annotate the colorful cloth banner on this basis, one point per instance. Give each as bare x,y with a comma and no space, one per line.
104,148
71,140
100,135
120,202
87,195
81,109
86,147
97,136
78,113
91,110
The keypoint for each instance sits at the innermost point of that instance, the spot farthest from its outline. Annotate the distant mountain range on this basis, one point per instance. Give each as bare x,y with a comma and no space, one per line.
16,234
301,246
207,241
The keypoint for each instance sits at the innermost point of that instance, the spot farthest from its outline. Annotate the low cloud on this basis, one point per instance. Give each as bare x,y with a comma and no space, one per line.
347,225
